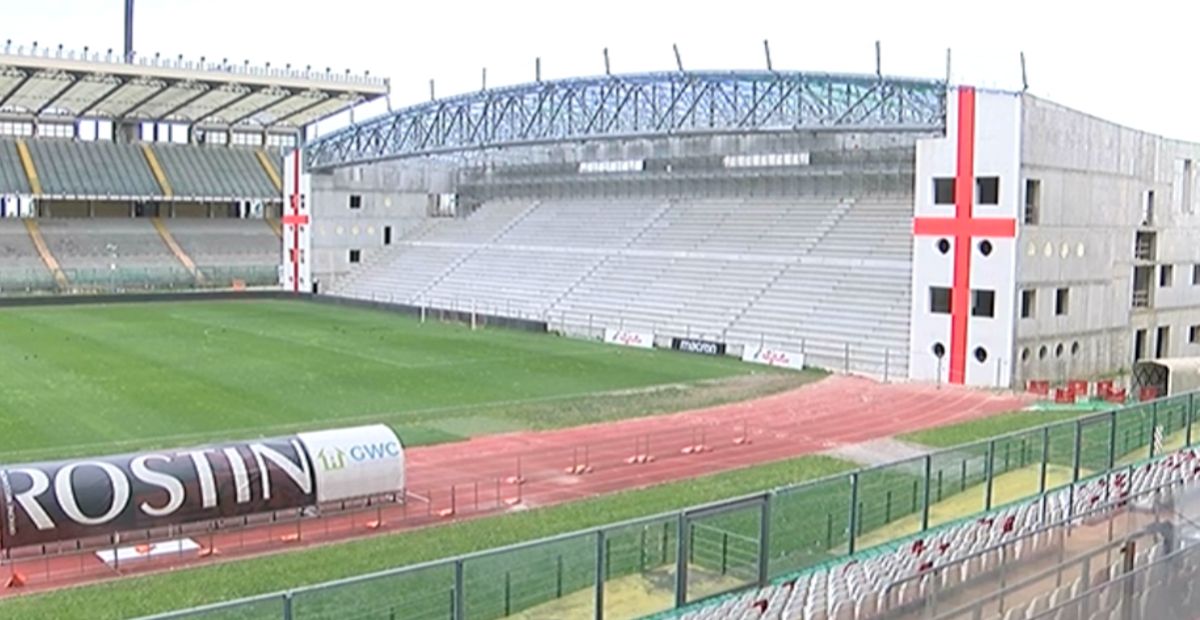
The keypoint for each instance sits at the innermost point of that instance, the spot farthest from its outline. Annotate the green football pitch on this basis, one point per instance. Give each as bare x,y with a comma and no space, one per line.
97,379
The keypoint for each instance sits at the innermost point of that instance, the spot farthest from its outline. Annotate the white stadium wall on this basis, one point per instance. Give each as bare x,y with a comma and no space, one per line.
296,266
980,354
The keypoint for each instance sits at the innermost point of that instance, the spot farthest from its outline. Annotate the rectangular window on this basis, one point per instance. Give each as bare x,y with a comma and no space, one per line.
987,190
983,303
1196,275
1033,200
939,300
943,191
1148,209
1186,191
1162,348
355,256
355,201
1028,303
1139,345
1166,276
1194,334
1062,300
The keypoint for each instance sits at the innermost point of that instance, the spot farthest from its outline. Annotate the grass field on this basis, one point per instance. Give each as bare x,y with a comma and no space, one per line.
86,380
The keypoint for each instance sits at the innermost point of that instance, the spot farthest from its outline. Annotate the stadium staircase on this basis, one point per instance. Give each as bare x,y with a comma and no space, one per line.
169,240
831,278
39,243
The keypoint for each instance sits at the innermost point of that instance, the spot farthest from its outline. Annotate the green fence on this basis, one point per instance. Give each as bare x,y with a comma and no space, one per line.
119,279
660,563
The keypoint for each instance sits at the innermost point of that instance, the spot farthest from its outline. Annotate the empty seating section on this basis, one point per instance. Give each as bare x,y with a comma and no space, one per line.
825,307
957,566
226,243
20,266
206,172
867,230
113,253
12,174
740,227
825,275
678,295
580,224
70,168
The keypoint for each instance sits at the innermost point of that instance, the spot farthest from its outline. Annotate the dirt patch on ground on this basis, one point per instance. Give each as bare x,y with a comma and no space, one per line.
879,451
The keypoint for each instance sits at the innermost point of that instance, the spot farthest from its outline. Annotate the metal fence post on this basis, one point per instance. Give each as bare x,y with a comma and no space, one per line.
1153,425
1045,459
853,513
601,574
991,474
1112,439
1190,414
681,565
1078,445
459,594
928,478
287,605
764,541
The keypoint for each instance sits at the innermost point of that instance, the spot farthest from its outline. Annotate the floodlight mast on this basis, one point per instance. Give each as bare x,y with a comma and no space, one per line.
128,30
123,130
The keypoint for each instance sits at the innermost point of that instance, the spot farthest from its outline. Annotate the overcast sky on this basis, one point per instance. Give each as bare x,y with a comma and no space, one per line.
1137,63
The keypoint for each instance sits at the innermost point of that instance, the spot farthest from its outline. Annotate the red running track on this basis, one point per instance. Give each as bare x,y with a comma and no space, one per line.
496,473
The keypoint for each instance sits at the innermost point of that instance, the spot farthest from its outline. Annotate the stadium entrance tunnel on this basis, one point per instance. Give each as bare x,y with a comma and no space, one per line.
1167,376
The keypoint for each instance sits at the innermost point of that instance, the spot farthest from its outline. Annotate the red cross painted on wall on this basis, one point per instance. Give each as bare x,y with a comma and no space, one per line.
295,220
964,227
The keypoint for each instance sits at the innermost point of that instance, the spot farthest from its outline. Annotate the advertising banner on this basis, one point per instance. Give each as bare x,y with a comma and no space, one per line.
355,462
82,498
629,338
703,347
772,357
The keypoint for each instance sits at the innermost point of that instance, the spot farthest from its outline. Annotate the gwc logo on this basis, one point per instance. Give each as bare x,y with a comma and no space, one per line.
332,459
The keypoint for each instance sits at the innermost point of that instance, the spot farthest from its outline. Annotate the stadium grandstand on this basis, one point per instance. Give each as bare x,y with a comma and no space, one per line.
768,345
828,218
133,173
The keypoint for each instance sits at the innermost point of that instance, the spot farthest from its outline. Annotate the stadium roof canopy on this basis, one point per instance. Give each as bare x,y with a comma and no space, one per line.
638,105
51,84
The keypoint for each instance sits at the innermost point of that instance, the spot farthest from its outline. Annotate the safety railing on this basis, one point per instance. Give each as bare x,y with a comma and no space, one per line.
746,542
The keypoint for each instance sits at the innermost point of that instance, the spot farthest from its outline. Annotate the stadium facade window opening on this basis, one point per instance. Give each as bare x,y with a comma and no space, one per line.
1166,276
987,190
983,303
1139,345
939,299
355,201
281,139
767,160
56,130
628,165
355,256
247,138
16,128
1162,344
1194,334
1196,275
943,191
1028,303
1062,301
1033,201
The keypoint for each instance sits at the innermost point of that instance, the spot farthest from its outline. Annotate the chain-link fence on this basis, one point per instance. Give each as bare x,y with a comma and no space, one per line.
121,279
661,563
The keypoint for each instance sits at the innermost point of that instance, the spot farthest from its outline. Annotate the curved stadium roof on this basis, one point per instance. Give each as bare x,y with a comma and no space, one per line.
53,84
647,104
